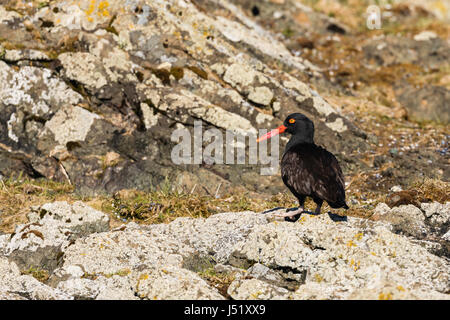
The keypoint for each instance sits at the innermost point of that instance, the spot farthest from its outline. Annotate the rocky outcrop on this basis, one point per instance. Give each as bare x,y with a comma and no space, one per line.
428,224
84,79
317,257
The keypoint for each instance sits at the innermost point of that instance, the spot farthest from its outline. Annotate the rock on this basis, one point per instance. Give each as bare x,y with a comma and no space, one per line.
42,242
318,257
408,219
112,287
83,81
396,189
425,36
430,103
161,244
315,291
172,283
438,215
71,124
388,291
380,210
13,285
3,241
446,236
431,221
392,50
279,279
18,55
254,289
84,68
342,256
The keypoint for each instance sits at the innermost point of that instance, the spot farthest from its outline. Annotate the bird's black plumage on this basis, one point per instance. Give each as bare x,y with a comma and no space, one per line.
309,170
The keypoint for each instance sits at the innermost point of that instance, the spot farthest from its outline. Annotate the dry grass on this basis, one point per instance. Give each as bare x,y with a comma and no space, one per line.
39,274
430,190
17,195
220,281
163,206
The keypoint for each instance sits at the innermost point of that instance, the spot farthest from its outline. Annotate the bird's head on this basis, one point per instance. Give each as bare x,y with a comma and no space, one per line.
296,124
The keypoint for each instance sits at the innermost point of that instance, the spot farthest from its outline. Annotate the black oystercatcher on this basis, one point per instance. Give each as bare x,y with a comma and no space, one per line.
308,170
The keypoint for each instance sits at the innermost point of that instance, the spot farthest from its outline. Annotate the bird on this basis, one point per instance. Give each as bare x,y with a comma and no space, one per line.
308,170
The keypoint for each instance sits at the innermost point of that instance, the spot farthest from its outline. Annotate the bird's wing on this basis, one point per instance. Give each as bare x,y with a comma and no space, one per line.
313,171
295,174
330,184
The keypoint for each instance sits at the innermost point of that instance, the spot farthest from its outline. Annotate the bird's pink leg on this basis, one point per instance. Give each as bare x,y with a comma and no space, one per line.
289,214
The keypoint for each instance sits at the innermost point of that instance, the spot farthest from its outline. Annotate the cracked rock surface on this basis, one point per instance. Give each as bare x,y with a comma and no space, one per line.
317,257
99,77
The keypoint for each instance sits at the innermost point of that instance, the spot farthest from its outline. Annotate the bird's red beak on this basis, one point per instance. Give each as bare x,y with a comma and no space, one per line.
272,133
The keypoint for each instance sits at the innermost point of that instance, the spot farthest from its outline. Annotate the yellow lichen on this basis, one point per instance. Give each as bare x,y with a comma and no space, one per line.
359,236
91,8
350,243
318,278
387,296
355,264
102,8
143,276
256,294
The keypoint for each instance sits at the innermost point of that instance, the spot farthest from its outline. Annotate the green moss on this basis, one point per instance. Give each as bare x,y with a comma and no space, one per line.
37,273
288,32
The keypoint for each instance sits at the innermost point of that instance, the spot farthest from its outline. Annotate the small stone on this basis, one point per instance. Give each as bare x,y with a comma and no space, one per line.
396,189
425,36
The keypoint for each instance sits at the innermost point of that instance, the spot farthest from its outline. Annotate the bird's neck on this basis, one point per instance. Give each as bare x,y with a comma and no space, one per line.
298,139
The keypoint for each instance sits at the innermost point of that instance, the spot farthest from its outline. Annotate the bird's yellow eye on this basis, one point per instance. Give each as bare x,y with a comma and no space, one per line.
291,120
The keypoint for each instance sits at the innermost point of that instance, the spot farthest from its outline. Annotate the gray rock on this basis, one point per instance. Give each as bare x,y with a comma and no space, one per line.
428,103
278,278
172,283
438,214
389,291
431,221
16,286
41,243
344,255
318,257
119,83
408,219
254,289
3,241
114,287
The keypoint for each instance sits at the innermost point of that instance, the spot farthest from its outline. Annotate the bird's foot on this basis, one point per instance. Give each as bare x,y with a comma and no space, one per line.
290,214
